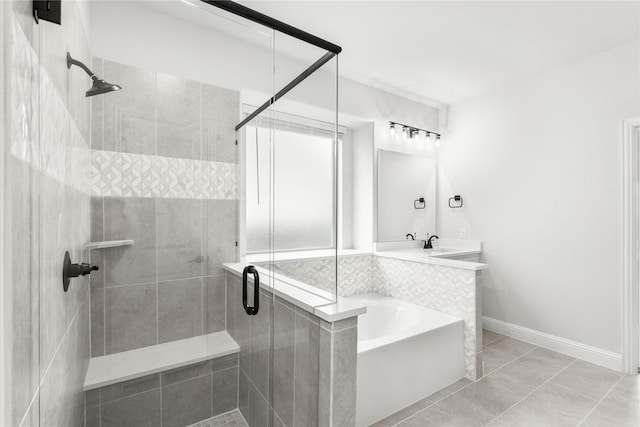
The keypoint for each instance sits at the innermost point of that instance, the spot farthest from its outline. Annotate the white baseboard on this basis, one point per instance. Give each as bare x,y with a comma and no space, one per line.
575,349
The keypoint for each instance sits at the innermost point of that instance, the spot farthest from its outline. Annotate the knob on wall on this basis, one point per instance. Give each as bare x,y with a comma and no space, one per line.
70,270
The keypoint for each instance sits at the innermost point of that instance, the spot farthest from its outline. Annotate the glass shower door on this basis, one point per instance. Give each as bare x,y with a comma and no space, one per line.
287,207
289,234
305,228
254,316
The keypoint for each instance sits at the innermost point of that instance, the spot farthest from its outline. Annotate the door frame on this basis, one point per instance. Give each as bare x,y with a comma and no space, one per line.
631,244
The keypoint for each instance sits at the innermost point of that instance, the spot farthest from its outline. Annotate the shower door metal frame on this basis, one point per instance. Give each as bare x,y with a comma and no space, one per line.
244,12
262,19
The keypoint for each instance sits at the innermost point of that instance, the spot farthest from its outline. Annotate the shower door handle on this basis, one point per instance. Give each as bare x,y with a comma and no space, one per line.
251,310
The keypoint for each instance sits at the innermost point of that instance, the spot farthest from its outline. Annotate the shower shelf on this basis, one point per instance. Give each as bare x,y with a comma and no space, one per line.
108,244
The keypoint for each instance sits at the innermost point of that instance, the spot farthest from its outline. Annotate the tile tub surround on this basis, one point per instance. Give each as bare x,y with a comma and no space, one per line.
162,174
177,397
46,121
450,286
314,362
529,386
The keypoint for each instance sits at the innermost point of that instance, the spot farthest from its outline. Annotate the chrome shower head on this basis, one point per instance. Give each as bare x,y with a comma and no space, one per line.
99,86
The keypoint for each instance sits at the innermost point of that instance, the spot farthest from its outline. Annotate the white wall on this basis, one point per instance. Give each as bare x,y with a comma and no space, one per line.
539,166
6,295
363,180
345,192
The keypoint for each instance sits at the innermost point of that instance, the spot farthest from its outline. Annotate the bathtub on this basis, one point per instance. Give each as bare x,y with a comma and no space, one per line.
405,353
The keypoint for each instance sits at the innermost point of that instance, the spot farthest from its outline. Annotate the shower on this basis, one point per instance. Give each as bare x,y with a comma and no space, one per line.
99,86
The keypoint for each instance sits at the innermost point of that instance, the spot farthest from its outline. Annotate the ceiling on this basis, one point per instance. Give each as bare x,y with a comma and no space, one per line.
448,51
441,51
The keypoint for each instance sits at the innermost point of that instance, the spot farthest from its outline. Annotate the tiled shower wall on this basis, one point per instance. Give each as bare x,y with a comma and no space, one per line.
163,165
46,172
314,363
450,290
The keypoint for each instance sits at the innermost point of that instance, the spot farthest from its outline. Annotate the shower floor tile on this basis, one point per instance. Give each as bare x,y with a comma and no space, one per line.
228,419
556,390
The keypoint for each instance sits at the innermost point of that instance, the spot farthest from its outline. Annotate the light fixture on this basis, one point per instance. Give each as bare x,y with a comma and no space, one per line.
415,134
430,144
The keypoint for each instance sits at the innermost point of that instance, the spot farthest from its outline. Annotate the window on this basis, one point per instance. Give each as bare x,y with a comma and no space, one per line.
303,190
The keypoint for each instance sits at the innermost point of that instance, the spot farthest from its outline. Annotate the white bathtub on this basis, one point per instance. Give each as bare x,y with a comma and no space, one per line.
405,353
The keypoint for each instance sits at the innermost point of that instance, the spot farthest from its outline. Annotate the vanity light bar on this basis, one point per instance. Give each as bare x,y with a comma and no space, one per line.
411,131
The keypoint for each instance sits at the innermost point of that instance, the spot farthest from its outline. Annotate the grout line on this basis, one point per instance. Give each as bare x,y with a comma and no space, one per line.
155,214
509,362
84,402
417,412
332,349
133,284
257,389
212,387
201,133
278,417
26,412
187,379
575,391
129,395
103,258
204,295
36,392
601,399
464,387
534,390
339,330
295,329
161,387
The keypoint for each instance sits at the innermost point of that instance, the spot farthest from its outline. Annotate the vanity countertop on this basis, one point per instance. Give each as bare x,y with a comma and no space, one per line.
436,257
446,253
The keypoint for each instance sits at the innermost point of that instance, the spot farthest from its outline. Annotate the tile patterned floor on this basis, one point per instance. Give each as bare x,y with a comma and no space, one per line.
528,386
228,419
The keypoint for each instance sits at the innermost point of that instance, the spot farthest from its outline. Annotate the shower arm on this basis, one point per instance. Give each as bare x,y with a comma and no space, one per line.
71,61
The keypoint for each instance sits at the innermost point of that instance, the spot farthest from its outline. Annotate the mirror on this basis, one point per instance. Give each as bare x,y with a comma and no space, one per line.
403,179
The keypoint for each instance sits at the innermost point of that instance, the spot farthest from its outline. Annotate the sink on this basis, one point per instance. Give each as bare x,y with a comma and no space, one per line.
439,251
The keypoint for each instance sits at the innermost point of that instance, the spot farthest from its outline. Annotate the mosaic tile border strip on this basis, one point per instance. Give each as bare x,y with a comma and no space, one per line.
141,175
445,289
54,146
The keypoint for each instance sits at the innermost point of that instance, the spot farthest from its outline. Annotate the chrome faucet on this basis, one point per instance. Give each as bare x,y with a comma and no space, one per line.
410,235
427,243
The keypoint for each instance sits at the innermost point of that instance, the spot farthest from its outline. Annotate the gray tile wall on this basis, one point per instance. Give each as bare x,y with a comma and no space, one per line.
169,285
314,363
174,398
47,213
338,372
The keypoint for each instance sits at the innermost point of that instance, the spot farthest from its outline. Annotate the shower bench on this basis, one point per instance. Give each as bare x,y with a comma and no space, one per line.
145,386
